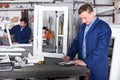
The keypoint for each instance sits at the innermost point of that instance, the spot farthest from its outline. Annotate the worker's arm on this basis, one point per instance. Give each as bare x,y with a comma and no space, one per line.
74,47
12,30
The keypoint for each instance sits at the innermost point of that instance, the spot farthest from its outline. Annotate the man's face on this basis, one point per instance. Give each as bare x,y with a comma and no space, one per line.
22,23
87,17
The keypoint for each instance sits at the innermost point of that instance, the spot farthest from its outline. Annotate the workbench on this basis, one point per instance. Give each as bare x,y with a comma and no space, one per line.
47,70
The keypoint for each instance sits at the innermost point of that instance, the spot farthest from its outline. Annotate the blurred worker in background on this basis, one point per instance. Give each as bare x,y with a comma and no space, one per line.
21,32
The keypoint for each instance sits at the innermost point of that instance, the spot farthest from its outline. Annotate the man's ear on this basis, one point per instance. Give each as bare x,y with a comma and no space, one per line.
25,24
92,13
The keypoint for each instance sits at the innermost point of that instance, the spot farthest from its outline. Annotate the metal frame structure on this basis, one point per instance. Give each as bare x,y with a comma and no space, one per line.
115,63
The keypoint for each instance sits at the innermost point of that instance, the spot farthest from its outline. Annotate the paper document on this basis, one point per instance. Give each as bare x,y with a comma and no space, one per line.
69,63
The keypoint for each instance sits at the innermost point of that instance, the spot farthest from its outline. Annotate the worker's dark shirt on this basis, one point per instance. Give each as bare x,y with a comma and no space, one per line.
21,35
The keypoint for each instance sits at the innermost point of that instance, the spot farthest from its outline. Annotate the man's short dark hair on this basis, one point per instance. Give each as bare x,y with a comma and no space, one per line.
24,19
85,7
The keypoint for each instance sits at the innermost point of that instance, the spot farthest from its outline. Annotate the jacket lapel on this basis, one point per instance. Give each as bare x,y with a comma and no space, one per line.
93,25
83,28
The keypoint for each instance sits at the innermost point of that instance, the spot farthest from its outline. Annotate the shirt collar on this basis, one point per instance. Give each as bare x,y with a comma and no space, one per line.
91,22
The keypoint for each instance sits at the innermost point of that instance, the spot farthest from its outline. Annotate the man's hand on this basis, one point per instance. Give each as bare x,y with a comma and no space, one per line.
14,43
79,62
66,58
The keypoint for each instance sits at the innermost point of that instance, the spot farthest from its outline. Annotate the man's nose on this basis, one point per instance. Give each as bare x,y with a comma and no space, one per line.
83,20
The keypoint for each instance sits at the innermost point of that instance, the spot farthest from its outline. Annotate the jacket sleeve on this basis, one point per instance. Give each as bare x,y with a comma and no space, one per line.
104,36
12,31
74,47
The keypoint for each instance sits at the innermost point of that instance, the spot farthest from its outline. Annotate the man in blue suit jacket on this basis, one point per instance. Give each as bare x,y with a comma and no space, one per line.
22,32
91,44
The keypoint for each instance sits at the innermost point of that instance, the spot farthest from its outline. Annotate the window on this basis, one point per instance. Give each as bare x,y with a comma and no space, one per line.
50,30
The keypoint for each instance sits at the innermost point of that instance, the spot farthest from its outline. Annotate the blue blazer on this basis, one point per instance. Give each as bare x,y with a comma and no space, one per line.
21,36
97,42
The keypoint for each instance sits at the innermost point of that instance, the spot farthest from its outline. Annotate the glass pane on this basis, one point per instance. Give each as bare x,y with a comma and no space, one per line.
52,29
61,22
60,44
